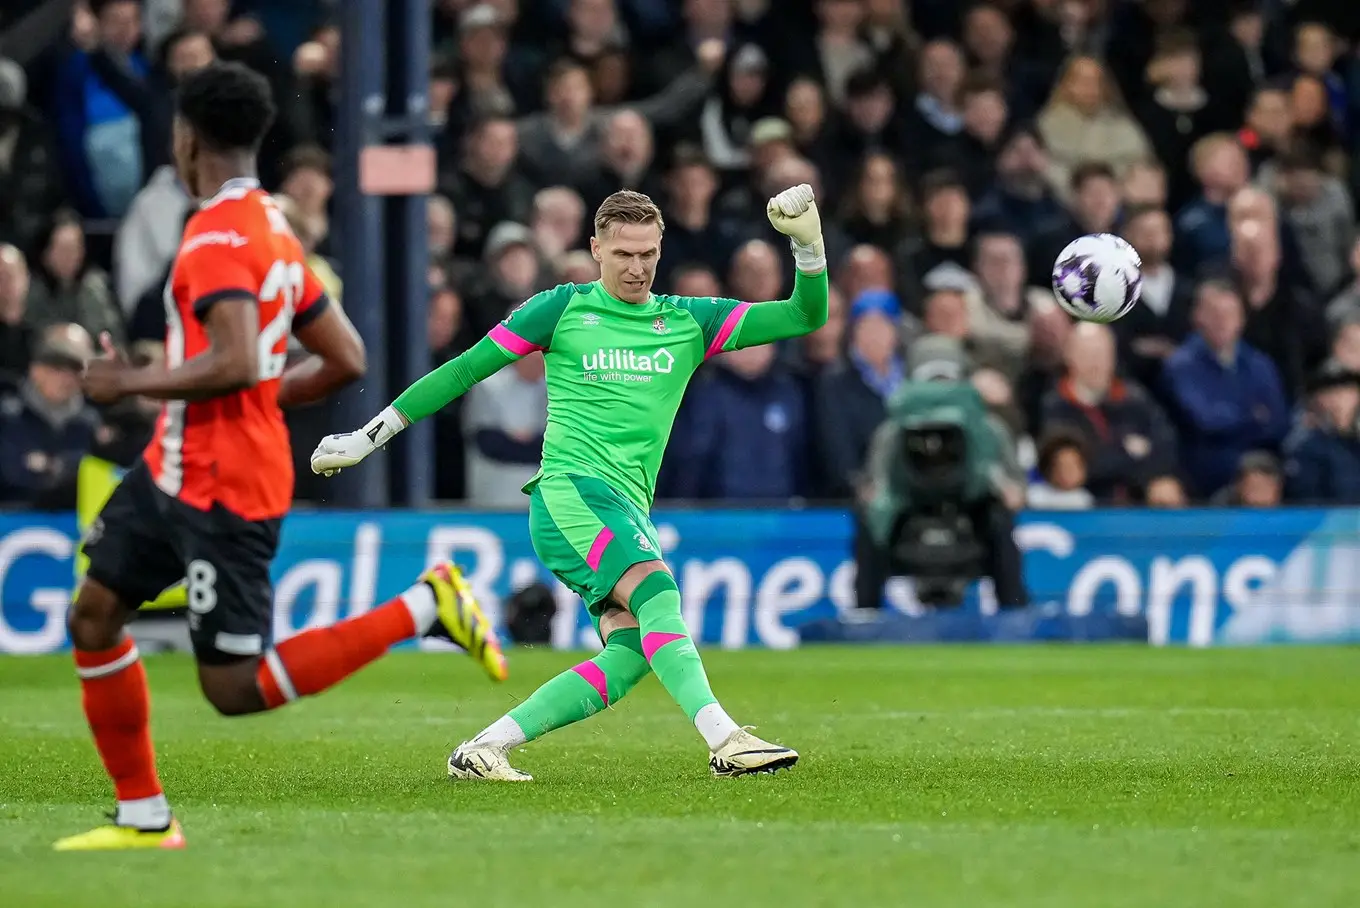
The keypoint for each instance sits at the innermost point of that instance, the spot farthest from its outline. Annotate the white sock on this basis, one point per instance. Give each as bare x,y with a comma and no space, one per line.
715,725
504,732
419,599
144,813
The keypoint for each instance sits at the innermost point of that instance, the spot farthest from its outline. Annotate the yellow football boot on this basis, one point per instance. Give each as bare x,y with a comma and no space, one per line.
462,620
122,838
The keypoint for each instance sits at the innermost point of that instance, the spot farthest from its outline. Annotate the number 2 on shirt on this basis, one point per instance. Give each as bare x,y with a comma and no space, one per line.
285,280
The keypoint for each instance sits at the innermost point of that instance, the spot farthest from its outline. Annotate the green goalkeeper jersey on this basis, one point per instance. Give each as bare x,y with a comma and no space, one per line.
616,371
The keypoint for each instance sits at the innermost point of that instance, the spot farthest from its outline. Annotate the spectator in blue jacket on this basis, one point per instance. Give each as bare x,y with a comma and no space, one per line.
45,426
99,131
744,432
1322,463
1227,394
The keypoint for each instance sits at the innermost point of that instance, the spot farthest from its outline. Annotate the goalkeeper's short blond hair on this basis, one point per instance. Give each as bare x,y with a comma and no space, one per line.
627,207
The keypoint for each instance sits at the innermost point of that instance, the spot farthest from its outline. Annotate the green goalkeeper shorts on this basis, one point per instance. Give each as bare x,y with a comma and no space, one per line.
588,534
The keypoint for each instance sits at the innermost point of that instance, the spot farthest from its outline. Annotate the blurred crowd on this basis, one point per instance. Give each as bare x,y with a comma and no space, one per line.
955,147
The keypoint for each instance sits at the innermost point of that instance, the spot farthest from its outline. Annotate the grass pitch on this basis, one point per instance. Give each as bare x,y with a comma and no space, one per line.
1053,777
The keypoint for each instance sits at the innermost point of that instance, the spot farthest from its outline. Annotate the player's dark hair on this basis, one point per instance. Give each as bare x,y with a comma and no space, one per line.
228,105
1091,170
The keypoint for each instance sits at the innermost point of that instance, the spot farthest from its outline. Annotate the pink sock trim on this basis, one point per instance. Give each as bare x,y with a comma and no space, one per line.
594,676
602,540
655,640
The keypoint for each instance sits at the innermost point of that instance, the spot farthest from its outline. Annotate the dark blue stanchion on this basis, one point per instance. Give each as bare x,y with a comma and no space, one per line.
407,282
359,228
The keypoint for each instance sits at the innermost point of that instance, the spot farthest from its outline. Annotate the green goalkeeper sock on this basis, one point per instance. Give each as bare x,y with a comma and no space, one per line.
667,645
578,693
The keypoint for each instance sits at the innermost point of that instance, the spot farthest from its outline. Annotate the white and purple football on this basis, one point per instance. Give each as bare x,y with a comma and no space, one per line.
1098,277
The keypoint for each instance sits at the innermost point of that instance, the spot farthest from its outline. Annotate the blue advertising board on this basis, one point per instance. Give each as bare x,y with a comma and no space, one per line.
751,577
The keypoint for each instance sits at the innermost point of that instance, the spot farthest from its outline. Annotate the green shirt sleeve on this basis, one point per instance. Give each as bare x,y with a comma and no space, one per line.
732,325
527,329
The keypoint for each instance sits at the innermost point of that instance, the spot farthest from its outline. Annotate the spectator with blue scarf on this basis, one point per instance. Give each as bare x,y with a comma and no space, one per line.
100,133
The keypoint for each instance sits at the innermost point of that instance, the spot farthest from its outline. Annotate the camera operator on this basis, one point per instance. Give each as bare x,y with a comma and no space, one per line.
943,486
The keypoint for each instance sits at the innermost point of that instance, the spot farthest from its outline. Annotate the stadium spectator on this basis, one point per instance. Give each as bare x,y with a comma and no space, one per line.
1166,492
1322,463
16,334
1022,201
305,177
558,222
1227,395
744,433
1000,314
743,97
1259,483
878,208
1269,127
30,187
870,124
757,272
579,267
1095,199
849,398
504,420
1347,302
694,234
1128,436
1178,111
449,336
696,280
945,235
512,272
936,120
986,113
1220,167
1160,321
67,287
1061,485
1318,208
1144,186
487,188
45,425
627,159
100,133
148,237
811,133
1085,121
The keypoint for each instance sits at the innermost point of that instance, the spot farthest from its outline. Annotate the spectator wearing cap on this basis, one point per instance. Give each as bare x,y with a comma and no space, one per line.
849,399
743,434
1129,437
99,133
1322,456
16,335
487,188
771,142
67,287
513,271
744,96
30,180
1160,321
1022,201
45,426
695,234
488,85
1085,121
1259,483
1226,395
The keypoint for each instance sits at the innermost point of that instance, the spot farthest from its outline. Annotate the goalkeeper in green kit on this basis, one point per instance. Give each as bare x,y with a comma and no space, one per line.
618,358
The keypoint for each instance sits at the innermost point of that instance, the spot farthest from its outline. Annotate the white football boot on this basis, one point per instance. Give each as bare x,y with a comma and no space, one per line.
485,762
743,754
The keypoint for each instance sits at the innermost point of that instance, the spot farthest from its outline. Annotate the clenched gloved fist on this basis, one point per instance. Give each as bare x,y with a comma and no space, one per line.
793,213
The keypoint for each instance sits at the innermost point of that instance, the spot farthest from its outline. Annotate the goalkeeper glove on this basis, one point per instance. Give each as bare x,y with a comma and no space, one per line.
335,452
793,213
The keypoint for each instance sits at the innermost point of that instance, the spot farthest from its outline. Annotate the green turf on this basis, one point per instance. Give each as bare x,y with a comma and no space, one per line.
1048,777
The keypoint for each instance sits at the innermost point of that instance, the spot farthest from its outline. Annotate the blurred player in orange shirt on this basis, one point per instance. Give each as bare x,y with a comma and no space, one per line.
206,501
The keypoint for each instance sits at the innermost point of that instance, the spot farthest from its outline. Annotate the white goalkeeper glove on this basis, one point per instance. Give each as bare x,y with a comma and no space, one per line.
335,452
793,213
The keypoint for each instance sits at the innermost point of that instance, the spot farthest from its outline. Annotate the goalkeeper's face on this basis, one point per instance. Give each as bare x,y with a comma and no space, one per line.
628,254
